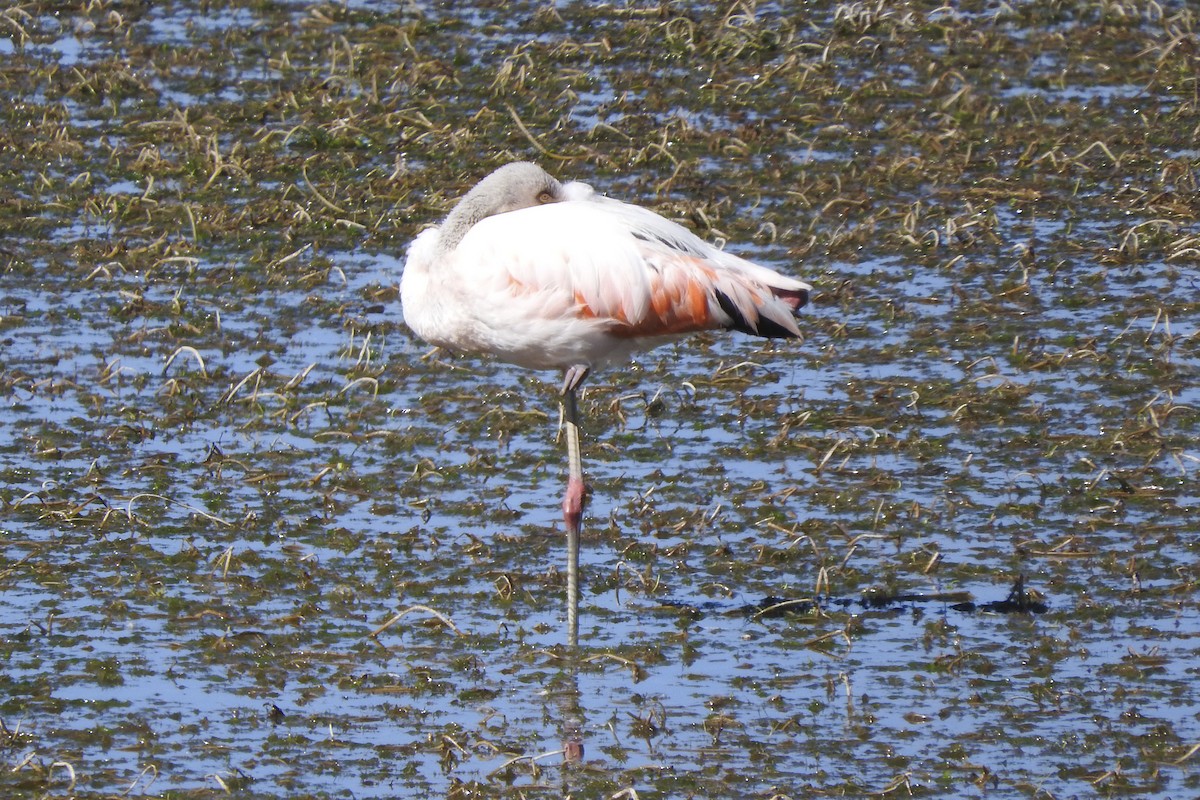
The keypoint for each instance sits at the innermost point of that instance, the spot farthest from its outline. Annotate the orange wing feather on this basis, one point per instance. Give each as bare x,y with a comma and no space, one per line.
680,294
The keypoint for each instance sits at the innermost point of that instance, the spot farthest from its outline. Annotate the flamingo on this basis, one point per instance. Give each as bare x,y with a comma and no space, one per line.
550,275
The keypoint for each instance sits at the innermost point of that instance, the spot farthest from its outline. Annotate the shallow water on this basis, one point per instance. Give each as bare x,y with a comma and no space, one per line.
228,462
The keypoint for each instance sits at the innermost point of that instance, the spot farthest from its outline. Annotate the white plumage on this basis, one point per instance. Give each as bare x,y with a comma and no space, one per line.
554,276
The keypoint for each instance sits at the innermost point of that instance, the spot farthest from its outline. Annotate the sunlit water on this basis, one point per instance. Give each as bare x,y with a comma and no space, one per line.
198,543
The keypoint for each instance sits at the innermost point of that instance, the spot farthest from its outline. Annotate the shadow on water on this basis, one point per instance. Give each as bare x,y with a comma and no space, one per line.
226,461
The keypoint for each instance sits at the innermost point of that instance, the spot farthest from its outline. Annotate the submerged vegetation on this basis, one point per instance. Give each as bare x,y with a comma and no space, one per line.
255,540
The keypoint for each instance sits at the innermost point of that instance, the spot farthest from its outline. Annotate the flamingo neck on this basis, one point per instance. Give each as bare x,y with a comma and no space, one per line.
461,219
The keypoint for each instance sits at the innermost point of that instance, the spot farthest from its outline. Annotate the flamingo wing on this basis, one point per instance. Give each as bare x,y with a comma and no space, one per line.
623,268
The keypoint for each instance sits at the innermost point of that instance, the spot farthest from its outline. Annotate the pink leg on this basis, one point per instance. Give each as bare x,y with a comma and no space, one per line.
573,501
572,505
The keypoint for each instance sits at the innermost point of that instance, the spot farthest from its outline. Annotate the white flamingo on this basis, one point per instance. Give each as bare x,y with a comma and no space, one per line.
548,275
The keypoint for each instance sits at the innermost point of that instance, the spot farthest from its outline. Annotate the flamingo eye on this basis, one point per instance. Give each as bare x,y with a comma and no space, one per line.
545,196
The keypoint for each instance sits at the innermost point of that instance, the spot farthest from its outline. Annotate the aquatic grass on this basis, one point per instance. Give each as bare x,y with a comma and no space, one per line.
997,380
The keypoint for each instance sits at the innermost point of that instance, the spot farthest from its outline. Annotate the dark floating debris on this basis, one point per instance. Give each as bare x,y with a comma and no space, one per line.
771,607
880,600
1020,600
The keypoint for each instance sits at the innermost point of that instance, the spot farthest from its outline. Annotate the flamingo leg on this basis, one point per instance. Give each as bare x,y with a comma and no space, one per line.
574,499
